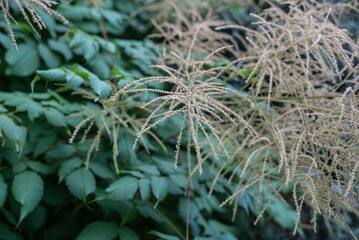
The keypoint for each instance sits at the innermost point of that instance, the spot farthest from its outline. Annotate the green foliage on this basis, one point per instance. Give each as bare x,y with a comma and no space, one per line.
28,189
67,152
122,189
99,230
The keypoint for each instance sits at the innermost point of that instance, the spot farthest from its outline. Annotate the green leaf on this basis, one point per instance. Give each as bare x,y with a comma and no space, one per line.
217,227
179,180
22,63
134,173
73,80
75,12
163,236
52,75
100,67
27,188
61,151
3,109
10,129
164,166
115,18
77,40
49,57
282,214
90,48
123,189
68,166
159,188
39,167
99,230
150,169
3,191
33,109
145,188
12,100
18,167
81,183
55,118
60,47
128,234
101,170
5,41
101,88
148,211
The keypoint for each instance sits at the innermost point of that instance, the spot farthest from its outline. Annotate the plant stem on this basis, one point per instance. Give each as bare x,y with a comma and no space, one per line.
188,210
168,221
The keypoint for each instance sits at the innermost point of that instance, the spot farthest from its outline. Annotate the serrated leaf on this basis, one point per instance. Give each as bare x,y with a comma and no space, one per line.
39,167
98,231
27,188
61,151
11,130
49,57
90,48
68,166
73,80
159,187
151,169
33,109
100,67
81,183
61,47
52,75
101,170
148,211
76,41
3,191
24,62
55,118
123,189
164,166
15,100
101,88
145,188
179,180
134,173
128,234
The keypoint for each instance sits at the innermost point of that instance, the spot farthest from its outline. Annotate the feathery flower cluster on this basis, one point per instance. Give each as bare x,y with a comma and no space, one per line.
301,46
193,97
30,14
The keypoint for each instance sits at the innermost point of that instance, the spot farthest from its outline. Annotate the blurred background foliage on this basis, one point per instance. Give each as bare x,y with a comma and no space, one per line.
46,191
